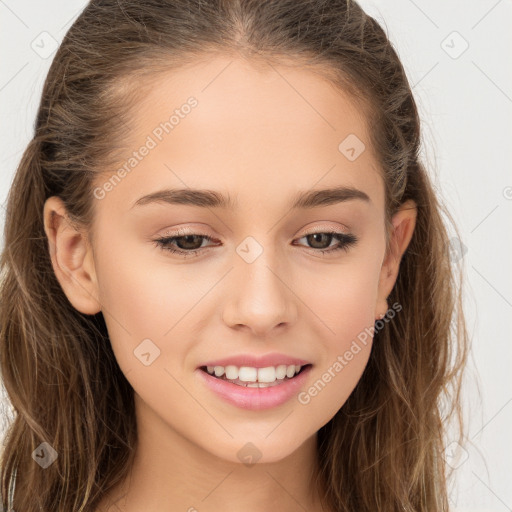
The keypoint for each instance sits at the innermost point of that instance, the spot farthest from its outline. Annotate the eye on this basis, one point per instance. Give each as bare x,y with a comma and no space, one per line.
190,244
324,239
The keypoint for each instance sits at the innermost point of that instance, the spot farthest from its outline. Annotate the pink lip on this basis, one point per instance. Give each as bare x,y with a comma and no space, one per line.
255,398
256,362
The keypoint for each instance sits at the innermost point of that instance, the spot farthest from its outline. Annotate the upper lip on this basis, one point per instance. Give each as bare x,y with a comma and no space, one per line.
253,361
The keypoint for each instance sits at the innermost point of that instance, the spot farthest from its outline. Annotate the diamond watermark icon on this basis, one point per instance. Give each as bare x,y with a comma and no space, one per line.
146,352
44,455
454,45
457,249
249,454
44,45
249,250
455,455
351,147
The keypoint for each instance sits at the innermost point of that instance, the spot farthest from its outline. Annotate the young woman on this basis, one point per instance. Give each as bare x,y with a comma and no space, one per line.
226,281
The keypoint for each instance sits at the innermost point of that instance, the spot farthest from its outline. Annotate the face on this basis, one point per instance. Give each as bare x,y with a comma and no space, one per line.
255,277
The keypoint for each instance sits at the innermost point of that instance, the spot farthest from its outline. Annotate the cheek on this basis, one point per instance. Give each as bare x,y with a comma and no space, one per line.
138,304
345,353
345,303
344,296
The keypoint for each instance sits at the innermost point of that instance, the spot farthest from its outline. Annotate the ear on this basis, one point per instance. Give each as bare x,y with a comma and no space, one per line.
404,222
71,257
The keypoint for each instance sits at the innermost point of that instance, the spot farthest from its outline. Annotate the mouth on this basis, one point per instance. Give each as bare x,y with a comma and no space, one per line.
252,377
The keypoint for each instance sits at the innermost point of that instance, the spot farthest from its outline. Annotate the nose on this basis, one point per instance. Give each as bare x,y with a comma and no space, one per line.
260,298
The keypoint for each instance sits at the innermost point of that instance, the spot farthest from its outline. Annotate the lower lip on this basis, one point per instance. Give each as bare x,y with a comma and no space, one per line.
255,399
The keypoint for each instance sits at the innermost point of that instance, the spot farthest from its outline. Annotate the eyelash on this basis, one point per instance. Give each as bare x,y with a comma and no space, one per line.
346,241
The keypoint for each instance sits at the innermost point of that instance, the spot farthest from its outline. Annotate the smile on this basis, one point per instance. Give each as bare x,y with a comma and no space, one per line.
249,376
275,388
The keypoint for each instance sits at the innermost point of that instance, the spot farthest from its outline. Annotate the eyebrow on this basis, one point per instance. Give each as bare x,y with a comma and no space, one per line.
203,198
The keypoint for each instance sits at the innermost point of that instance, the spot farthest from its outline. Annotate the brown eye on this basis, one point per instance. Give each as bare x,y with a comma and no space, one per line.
187,245
318,240
322,240
189,242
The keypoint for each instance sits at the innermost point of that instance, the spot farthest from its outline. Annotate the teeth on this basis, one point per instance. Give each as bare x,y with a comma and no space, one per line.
260,384
245,374
231,372
255,376
268,374
281,371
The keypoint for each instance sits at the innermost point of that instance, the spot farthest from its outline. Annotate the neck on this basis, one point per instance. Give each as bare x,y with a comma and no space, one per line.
171,473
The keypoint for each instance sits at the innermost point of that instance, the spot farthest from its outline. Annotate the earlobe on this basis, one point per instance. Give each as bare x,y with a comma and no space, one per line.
71,257
404,223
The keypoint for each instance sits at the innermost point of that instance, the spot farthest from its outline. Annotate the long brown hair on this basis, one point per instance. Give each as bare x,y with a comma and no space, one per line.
383,450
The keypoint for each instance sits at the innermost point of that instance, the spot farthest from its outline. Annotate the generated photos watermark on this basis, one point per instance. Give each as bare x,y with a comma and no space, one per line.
304,397
152,141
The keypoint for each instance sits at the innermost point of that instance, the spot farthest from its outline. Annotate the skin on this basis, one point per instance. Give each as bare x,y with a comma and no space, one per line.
252,136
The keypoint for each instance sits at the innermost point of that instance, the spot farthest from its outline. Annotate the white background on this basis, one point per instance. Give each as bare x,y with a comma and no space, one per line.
465,104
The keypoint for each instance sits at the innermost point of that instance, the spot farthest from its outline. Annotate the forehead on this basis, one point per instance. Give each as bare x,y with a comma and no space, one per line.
252,127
